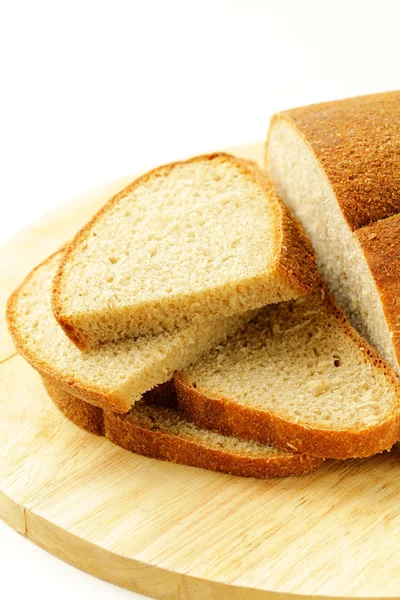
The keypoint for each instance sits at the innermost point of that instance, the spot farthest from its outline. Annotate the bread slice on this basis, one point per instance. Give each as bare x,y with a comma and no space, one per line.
156,428
187,241
117,374
299,377
337,166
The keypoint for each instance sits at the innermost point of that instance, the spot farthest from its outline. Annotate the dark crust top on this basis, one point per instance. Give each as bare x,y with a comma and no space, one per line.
129,434
230,418
296,262
380,243
357,142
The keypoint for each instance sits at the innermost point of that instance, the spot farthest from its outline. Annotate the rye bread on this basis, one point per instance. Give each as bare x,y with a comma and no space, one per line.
156,428
115,375
337,166
183,243
299,377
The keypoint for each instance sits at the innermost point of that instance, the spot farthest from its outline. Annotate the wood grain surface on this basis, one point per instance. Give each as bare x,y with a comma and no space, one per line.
176,532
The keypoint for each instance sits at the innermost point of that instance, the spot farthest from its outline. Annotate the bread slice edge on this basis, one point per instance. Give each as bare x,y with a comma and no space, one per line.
231,418
169,447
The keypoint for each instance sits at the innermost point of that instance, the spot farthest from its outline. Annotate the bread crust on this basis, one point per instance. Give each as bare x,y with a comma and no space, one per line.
294,264
230,418
131,436
380,243
86,416
357,142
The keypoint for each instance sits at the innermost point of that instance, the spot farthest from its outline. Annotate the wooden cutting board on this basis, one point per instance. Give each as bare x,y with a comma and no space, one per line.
176,532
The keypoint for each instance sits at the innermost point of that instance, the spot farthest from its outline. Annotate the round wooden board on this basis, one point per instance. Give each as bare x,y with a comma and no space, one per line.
176,532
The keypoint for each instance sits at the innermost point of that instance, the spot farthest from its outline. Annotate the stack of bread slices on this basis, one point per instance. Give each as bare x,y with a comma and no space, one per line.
187,320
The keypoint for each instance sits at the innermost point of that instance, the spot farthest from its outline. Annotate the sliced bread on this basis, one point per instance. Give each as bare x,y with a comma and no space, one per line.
337,166
157,429
117,374
297,376
185,242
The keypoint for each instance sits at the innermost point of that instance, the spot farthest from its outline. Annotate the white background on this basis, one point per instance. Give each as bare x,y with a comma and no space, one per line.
90,91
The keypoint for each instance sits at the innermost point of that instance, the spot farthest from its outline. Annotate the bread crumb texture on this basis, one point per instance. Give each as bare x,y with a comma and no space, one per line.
116,374
186,241
300,361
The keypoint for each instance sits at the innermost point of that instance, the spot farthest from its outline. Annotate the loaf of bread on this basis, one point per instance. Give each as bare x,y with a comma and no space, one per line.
156,428
337,166
183,243
297,376
167,276
117,374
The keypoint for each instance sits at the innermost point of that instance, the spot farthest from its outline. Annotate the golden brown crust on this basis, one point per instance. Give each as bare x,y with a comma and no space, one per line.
86,416
357,142
297,261
296,265
155,444
230,418
130,435
380,243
